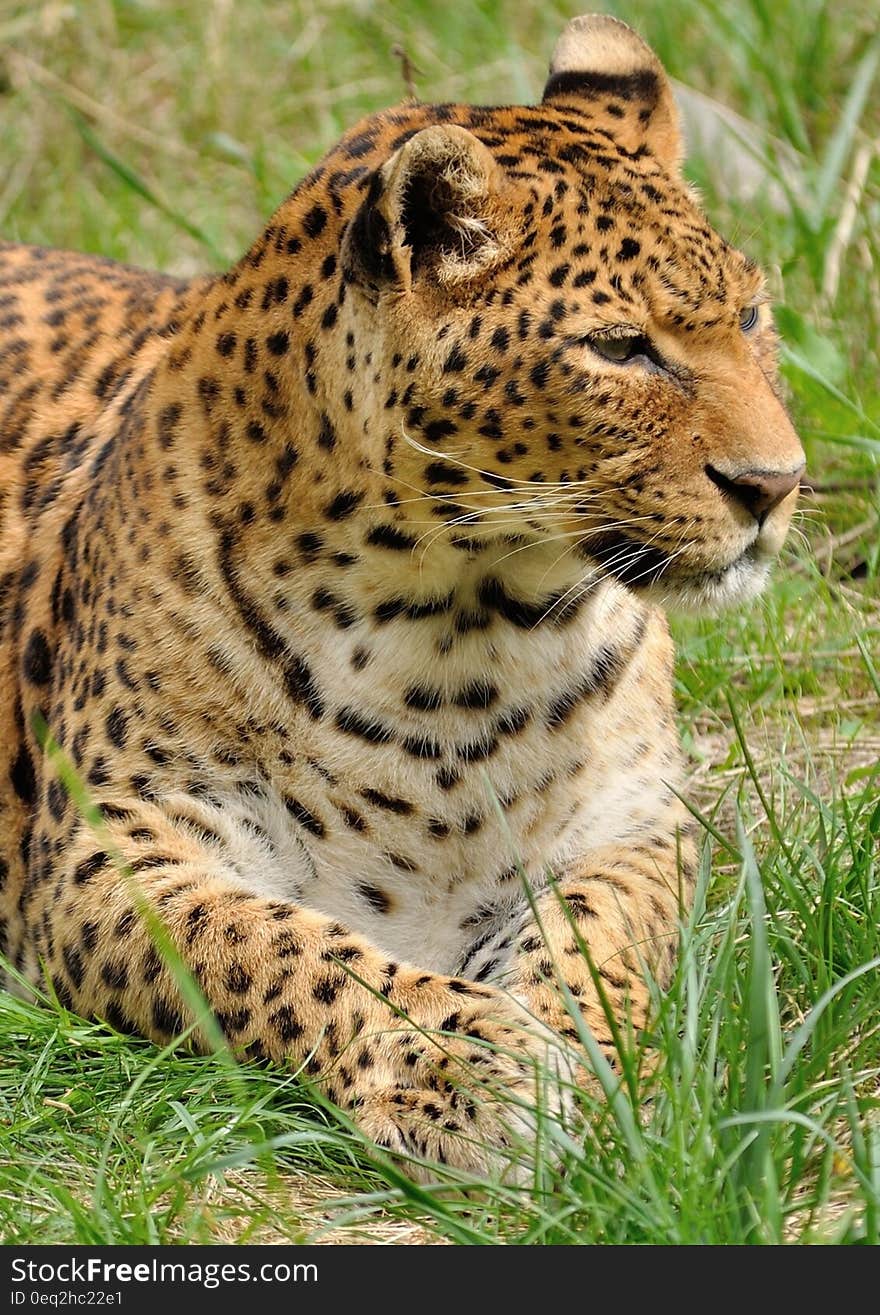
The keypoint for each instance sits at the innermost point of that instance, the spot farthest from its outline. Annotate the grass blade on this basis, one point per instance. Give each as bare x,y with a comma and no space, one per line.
133,180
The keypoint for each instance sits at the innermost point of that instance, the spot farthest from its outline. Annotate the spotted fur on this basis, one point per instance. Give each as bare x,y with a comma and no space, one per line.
336,578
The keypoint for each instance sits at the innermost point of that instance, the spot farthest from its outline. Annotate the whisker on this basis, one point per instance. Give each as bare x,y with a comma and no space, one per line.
631,558
445,455
571,534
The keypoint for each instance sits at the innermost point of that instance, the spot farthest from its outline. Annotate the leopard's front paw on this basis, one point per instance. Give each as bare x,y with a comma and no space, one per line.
484,1098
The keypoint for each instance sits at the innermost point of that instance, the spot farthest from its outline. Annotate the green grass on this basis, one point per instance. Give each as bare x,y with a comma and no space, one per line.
164,134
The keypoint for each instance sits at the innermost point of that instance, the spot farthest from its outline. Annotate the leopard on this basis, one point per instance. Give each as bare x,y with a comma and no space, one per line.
336,680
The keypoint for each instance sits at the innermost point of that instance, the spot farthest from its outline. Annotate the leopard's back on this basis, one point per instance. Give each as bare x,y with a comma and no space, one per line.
78,334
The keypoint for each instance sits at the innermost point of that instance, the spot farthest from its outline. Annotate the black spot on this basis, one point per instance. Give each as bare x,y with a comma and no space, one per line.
346,953
388,536
234,1022
37,663
423,698
435,430
315,221
209,391
580,905
65,999
120,1020
310,545
169,418
350,721
117,727
389,802
306,295
492,594
343,505
304,817
74,965
285,463
352,818
115,813
56,797
438,472
301,686
478,751
422,746
166,1019
89,936
115,975
326,990
23,777
238,981
513,721
539,374
285,1023
376,898
479,694
396,607
326,434
196,921
278,343
124,925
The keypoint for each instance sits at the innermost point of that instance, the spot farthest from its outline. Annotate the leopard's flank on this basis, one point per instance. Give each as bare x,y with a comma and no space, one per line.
338,579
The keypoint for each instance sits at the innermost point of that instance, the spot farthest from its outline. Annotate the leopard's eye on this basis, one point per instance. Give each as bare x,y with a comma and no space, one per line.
621,349
748,318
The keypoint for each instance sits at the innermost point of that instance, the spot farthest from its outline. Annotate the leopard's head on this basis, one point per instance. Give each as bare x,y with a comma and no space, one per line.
566,350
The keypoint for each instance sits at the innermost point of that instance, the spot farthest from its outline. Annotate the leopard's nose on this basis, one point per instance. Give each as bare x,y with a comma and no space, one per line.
759,491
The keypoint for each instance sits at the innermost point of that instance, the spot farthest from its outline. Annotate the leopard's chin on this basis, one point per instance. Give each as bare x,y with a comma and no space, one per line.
707,592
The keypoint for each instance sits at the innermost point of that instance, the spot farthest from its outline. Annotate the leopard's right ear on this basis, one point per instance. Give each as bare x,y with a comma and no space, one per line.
607,71
436,208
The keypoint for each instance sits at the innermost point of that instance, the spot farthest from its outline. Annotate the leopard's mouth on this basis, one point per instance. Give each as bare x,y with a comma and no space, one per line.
656,572
627,560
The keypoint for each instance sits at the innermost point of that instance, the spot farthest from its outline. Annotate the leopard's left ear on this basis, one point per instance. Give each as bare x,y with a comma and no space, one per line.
602,66
436,214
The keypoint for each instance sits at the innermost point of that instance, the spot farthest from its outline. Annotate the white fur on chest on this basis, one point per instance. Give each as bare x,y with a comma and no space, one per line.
416,874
